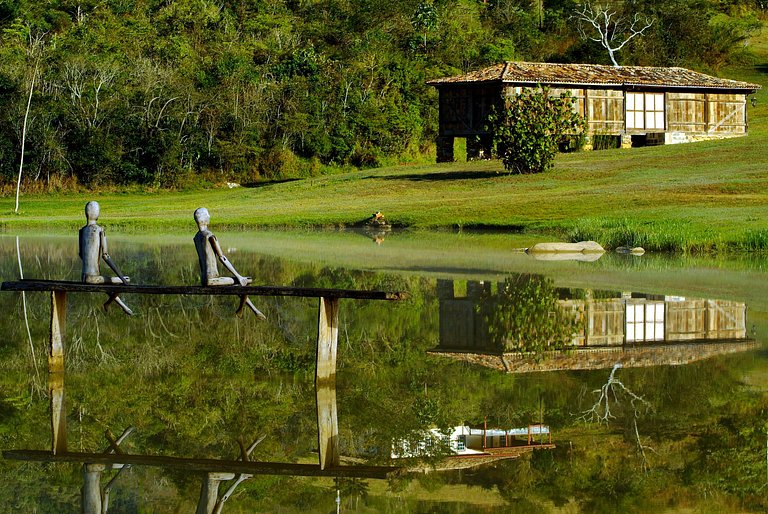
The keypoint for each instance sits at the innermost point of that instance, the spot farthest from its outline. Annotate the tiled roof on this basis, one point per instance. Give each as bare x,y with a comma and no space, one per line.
594,74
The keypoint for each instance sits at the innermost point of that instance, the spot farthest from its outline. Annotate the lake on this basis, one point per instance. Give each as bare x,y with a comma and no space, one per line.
658,404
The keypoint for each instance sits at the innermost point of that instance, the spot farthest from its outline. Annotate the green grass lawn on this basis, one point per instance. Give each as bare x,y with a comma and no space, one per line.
694,197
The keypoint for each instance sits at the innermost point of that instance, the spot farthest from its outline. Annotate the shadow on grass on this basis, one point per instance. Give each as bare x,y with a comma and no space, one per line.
268,182
449,175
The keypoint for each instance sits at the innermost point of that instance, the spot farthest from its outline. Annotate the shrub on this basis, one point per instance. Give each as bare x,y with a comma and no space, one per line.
533,125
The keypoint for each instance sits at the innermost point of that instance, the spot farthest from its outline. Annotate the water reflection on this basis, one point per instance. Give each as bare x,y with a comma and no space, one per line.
514,327
192,391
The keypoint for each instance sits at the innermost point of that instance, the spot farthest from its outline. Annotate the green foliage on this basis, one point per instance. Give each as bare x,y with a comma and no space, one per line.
203,89
532,127
524,316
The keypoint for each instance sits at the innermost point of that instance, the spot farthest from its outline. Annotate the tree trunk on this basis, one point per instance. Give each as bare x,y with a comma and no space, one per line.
24,137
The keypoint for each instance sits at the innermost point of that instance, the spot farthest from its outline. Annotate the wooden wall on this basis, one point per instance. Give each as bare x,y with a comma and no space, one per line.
727,114
464,110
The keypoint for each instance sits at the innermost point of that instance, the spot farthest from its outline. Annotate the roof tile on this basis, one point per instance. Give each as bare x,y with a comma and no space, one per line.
594,74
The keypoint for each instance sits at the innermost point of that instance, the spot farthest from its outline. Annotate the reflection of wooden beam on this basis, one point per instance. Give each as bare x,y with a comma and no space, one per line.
58,324
205,465
325,382
56,369
307,292
209,492
58,413
92,488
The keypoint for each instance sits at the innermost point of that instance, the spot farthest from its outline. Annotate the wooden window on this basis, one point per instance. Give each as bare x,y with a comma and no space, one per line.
645,111
645,322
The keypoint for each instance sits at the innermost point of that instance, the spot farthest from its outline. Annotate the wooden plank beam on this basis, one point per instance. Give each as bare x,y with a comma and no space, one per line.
325,382
205,465
78,287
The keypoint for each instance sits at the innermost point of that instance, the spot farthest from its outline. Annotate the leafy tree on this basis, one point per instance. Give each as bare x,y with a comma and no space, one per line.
425,20
532,127
524,316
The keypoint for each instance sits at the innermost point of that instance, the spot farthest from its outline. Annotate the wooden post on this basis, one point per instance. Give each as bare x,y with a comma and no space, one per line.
325,382
91,495
56,372
58,325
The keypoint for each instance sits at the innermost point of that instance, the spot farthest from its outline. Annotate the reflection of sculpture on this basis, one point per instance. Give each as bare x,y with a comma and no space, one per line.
93,248
208,251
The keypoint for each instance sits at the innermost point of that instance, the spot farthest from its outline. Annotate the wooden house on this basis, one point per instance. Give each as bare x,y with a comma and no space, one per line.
623,106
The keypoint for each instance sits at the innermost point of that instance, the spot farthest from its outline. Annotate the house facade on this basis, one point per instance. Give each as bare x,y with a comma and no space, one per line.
623,106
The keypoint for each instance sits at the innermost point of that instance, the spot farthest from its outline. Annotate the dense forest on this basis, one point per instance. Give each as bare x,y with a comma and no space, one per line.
174,92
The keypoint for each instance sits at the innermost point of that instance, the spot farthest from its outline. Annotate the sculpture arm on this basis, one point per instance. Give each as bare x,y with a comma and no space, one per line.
243,281
103,242
107,258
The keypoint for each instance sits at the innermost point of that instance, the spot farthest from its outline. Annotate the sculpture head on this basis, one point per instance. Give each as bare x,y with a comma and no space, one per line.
92,210
202,217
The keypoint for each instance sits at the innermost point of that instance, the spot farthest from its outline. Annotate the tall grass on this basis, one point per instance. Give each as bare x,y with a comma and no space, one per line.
658,236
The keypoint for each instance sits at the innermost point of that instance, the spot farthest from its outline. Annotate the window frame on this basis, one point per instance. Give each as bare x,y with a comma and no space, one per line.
653,119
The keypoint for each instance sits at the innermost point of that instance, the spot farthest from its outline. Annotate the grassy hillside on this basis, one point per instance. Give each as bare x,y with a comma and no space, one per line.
695,197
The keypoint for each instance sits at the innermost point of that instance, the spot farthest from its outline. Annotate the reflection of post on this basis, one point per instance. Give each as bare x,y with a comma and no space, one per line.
56,370
209,493
325,382
58,322
92,488
58,413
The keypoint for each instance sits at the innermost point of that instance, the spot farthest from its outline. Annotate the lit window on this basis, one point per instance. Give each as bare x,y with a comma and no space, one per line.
645,111
645,322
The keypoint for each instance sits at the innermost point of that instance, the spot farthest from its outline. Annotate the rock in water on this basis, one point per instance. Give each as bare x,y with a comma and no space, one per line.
581,247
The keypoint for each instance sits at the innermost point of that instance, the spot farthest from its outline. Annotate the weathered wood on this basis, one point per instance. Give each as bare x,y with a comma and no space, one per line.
58,325
91,493
205,465
77,287
58,413
209,494
325,382
56,370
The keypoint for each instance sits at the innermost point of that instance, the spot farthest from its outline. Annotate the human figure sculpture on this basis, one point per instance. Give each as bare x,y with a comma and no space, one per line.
93,248
208,253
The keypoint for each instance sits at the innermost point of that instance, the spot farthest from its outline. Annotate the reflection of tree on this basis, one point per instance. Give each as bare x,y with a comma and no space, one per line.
613,392
351,490
524,316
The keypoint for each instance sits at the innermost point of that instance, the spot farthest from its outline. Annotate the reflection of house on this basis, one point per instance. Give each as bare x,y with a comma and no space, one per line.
631,328
474,446
607,321
630,104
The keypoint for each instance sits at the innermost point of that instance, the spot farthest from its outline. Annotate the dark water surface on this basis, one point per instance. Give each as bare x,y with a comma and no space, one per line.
686,431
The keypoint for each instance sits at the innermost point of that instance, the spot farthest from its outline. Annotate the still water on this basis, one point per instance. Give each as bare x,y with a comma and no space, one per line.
659,403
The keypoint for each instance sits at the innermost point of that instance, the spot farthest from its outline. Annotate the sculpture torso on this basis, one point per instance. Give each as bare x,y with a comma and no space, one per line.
206,256
90,250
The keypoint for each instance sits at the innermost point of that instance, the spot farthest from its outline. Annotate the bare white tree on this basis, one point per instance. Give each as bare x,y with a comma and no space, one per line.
614,30
612,392
33,49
